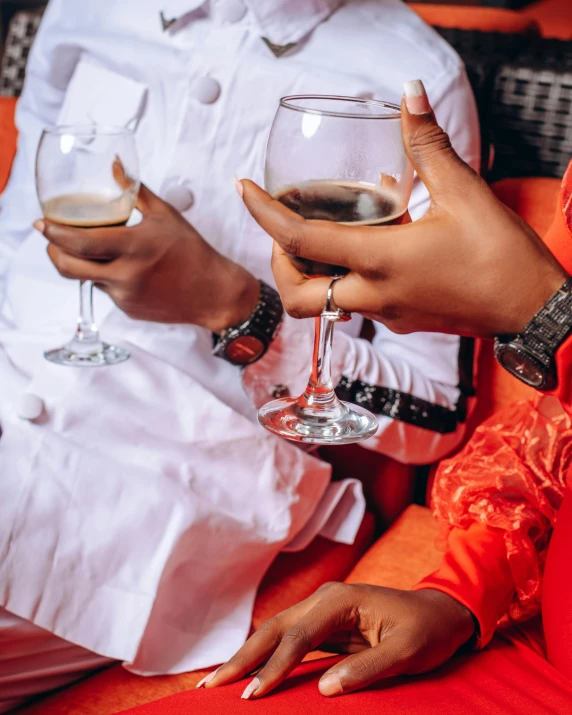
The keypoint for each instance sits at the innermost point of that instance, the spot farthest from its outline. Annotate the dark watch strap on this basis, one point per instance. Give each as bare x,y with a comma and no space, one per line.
262,324
550,326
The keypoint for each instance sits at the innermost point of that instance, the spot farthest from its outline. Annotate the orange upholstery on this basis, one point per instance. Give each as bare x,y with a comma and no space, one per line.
554,17
486,19
404,555
8,138
292,578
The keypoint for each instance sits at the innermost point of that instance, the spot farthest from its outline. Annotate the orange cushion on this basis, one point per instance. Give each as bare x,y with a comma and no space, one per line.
554,17
291,578
486,19
404,555
8,136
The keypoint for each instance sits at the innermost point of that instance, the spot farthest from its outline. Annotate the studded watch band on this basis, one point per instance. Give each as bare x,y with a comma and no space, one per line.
550,326
263,322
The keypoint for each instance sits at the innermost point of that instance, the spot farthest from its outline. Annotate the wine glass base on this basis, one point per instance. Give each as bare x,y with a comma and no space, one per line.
103,354
289,418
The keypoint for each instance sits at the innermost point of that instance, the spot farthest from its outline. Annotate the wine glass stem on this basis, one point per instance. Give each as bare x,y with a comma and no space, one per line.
86,331
319,391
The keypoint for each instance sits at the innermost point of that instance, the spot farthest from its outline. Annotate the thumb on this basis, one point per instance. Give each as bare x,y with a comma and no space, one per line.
428,146
362,669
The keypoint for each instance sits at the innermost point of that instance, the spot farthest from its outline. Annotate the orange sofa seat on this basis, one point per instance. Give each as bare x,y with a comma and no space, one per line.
8,138
554,17
485,19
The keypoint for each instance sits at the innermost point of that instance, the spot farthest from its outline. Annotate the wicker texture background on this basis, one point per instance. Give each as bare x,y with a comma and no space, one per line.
523,87
21,33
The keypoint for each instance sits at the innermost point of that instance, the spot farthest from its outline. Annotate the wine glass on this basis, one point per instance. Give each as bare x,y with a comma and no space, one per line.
87,177
337,159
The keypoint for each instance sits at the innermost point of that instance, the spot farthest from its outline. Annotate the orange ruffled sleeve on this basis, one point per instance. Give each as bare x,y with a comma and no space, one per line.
498,499
497,502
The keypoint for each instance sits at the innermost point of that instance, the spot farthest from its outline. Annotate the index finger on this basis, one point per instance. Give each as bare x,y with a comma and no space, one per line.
258,647
96,244
325,618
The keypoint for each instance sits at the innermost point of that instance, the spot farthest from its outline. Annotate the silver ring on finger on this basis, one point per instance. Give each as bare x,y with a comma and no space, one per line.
331,310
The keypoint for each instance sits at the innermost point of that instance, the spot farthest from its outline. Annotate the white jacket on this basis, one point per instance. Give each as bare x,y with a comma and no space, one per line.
138,515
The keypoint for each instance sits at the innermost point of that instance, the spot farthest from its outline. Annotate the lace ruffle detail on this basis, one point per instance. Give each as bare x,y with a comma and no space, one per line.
511,476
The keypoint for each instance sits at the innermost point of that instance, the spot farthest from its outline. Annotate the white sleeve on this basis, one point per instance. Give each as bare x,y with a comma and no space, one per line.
418,374
50,65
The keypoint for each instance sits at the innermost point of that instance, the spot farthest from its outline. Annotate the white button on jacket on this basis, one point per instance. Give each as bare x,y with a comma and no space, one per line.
206,90
180,197
162,501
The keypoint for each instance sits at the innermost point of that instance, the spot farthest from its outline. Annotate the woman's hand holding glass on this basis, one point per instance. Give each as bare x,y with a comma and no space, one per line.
470,266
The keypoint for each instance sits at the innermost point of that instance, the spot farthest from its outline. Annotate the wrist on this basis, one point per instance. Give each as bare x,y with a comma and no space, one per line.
460,618
237,300
535,297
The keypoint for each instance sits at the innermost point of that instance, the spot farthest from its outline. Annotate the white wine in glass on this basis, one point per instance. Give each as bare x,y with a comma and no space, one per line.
87,177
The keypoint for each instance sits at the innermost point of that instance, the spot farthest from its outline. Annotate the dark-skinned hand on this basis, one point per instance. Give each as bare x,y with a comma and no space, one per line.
387,632
160,270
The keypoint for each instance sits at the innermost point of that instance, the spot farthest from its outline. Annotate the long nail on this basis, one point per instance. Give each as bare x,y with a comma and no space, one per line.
330,684
239,186
208,679
416,97
250,689
40,225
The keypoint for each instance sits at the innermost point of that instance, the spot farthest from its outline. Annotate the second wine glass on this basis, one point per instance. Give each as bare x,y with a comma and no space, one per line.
337,159
87,177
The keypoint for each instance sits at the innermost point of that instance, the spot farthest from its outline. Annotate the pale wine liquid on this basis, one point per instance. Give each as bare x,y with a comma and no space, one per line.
347,202
88,210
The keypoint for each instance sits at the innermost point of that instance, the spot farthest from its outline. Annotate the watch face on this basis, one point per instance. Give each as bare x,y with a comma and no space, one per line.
244,350
522,365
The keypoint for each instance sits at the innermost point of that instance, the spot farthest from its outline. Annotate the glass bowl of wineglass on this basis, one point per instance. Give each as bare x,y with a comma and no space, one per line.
87,177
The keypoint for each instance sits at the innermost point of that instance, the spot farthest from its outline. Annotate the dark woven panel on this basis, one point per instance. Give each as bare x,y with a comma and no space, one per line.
532,115
523,88
483,53
21,33
532,112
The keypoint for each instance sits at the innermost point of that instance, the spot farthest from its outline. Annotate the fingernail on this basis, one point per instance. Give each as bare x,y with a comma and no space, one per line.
250,689
239,186
416,97
330,684
40,225
208,679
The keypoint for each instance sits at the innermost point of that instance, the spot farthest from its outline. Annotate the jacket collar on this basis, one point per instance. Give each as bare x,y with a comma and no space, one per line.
280,21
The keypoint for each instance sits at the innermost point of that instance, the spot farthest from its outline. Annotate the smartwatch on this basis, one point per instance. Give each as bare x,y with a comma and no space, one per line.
246,343
530,356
